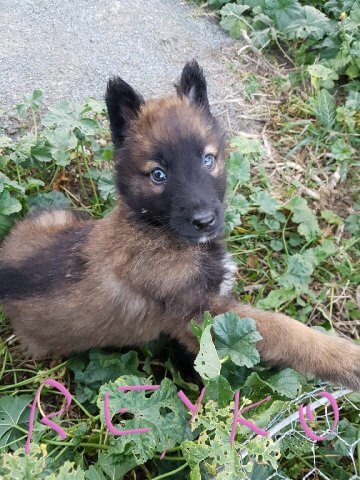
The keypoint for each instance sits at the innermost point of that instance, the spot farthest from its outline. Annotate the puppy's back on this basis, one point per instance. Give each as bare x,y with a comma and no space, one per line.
35,248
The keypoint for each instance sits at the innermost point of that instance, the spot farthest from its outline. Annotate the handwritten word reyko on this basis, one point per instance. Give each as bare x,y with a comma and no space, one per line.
238,414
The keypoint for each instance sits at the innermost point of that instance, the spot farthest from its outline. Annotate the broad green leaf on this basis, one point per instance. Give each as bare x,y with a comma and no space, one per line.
299,269
18,466
219,390
207,362
331,217
286,383
9,204
247,147
264,450
293,446
276,298
237,205
283,12
352,223
68,471
232,20
49,200
236,337
14,412
301,214
266,203
41,153
61,157
198,328
10,184
97,367
325,109
61,139
309,22
162,411
106,184
341,150
320,253
95,473
322,76
238,169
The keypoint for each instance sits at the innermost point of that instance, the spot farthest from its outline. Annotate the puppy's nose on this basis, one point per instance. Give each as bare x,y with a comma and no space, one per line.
202,220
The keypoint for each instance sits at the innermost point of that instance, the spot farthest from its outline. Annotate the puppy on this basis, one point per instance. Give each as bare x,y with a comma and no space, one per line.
158,260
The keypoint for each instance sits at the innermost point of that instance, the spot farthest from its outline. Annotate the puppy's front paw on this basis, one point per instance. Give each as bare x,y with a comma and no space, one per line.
344,364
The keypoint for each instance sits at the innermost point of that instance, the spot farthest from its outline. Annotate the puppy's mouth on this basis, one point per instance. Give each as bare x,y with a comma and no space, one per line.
200,239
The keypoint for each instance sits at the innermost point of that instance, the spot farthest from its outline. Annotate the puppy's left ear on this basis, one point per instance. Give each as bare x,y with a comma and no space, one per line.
193,86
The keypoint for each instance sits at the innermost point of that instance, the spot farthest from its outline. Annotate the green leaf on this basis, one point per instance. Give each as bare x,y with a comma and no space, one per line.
207,362
309,22
61,157
331,217
286,383
321,252
106,184
162,411
322,77
49,200
18,466
325,109
231,19
97,367
198,328
61,139
277,245
276,298
219,390
266,203
298,272
238,169
341,151
68,471
14,412
41,153
5,182
352,223
247,147
236,337
301,214
9,204
237,205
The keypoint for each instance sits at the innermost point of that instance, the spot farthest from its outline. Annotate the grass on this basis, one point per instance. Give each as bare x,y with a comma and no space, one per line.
293,229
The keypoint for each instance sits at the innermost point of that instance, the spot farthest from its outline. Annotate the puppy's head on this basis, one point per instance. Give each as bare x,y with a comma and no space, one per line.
170,156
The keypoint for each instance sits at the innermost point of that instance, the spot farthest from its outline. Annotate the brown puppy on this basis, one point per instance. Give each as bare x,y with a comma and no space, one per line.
157,261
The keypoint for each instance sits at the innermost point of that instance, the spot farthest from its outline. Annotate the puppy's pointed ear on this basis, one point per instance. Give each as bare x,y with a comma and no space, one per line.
123,105
193,85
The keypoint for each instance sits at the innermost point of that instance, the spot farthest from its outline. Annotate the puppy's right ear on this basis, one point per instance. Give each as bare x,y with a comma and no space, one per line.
123,105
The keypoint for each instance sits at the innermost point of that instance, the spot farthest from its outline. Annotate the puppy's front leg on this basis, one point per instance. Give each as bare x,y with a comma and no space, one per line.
288,342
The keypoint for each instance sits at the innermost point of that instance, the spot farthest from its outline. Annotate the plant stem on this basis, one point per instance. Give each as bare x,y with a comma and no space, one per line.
173,472
4,363
80,172
33,379
90,177
170,459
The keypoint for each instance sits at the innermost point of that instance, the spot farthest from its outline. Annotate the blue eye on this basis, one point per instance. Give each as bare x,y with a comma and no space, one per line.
158,175
208,160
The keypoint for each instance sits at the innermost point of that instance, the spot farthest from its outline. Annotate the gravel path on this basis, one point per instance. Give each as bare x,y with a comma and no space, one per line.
69,49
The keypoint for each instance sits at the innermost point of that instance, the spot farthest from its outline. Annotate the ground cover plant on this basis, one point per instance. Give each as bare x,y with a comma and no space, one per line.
293,228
